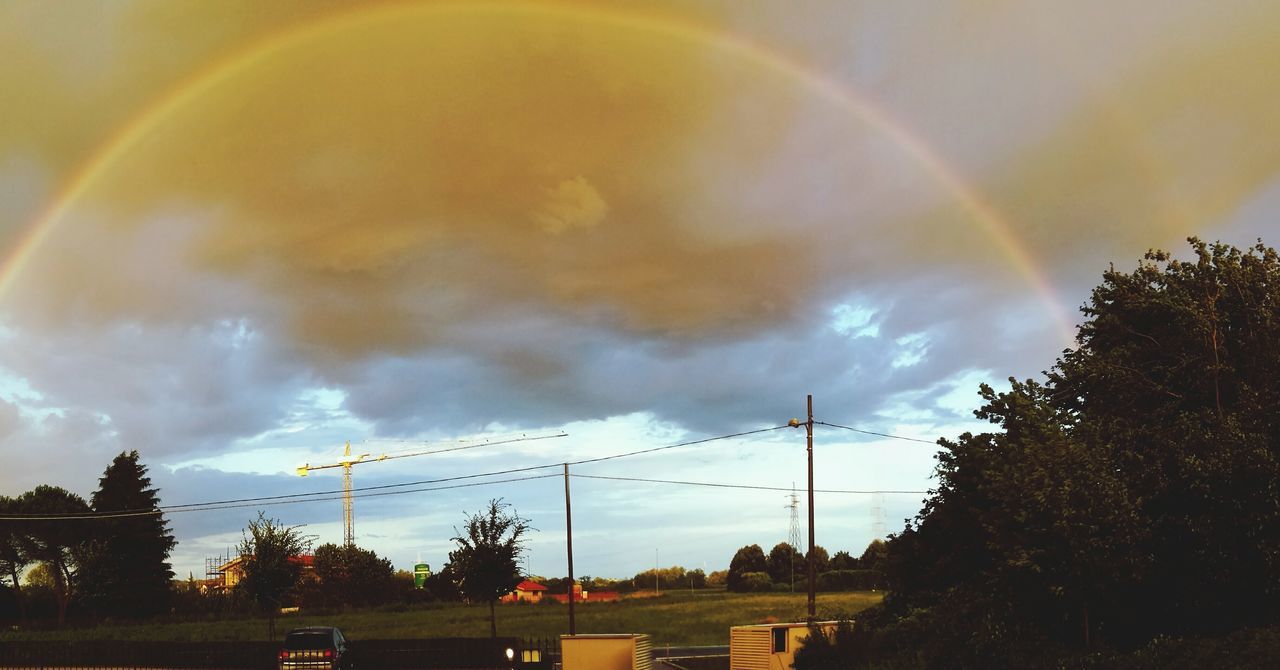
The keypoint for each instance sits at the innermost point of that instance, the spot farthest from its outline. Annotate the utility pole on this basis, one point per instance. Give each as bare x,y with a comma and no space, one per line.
568,529
808,426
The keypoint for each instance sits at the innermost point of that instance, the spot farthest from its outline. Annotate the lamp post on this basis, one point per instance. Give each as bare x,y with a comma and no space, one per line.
808,427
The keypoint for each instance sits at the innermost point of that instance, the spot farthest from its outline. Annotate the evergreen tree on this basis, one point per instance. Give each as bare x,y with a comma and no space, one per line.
126,571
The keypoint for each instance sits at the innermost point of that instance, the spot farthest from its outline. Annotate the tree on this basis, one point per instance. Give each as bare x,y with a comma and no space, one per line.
747,559
875,553
1150,454
13,553
821,560
270,551
351,576
58,543
784,563
843,561
126,570
488,554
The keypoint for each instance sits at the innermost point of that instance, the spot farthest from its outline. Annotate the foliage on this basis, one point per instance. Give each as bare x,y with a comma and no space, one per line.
59,544
821,561
873,556
270,551
350,576
839,649
14,556
126,571
674,577
1136,492
755,582
851,580
843,561
747,559
785,564
488,554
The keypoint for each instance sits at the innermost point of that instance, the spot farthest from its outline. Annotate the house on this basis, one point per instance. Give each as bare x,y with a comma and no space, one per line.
233,570
526,592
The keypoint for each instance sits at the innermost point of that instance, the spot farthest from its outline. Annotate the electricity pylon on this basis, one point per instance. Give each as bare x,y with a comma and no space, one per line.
793,534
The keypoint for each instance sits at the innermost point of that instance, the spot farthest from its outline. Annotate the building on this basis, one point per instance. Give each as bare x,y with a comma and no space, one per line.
233,570
526,592
581,596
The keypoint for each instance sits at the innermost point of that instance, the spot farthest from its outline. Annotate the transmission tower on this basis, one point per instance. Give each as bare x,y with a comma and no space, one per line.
793,533
877,515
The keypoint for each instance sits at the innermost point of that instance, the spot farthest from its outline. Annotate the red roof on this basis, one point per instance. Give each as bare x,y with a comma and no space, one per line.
527,585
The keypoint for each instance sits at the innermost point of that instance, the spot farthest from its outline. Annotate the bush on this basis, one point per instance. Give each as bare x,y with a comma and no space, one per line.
755,582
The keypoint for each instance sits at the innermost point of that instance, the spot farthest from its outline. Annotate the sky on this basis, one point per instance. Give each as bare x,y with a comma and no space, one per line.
235,236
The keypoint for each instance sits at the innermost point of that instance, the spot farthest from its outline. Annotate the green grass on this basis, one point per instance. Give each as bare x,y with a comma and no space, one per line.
676,618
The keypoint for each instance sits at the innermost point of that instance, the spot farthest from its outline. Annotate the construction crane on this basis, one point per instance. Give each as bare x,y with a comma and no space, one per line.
348,460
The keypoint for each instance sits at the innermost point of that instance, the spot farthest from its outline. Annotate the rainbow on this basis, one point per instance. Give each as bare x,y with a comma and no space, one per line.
984,216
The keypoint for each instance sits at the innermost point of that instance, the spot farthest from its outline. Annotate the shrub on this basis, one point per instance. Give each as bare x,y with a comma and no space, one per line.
755,582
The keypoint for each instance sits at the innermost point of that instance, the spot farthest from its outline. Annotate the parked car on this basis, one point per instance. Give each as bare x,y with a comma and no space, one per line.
314,648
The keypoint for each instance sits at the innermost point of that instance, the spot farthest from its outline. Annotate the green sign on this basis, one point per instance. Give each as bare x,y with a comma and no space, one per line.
420,573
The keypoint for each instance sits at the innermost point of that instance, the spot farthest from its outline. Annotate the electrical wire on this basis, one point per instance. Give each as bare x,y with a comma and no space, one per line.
871,432
320,496
162,510
673,446
730,486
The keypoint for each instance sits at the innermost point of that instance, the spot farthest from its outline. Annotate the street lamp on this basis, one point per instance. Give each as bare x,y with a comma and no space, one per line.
808,426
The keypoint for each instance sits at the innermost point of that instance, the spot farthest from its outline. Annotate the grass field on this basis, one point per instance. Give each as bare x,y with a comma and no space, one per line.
676,618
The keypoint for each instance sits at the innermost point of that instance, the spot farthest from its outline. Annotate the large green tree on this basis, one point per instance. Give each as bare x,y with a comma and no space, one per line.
57,539
126,571
14,557
350,576
486,561
784,563
1135,492
750,558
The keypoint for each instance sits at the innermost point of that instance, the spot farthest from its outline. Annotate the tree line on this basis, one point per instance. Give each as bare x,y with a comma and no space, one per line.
786,568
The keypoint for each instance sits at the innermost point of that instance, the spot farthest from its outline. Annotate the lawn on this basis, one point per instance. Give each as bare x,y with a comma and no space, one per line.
676,618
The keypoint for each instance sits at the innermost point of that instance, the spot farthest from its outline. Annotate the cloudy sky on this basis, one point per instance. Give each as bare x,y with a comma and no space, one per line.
236,235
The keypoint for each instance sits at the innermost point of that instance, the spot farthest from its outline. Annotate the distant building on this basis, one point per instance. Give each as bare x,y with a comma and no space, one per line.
580,596
526,592
233,570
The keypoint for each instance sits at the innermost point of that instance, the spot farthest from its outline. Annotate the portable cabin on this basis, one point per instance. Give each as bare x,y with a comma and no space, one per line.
631,651
768,646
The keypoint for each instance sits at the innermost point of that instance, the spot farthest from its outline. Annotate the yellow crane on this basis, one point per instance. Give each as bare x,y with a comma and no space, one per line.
348,460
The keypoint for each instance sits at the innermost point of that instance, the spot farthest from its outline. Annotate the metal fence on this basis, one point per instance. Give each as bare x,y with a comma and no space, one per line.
424,654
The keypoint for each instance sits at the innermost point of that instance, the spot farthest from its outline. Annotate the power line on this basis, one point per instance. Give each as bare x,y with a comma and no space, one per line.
681,444
720,485
254,503
320,496
872,432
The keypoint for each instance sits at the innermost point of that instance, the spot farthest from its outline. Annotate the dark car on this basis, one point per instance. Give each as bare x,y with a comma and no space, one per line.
314,648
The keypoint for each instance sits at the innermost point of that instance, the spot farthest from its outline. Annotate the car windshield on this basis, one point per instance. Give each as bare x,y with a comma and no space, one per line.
309,640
